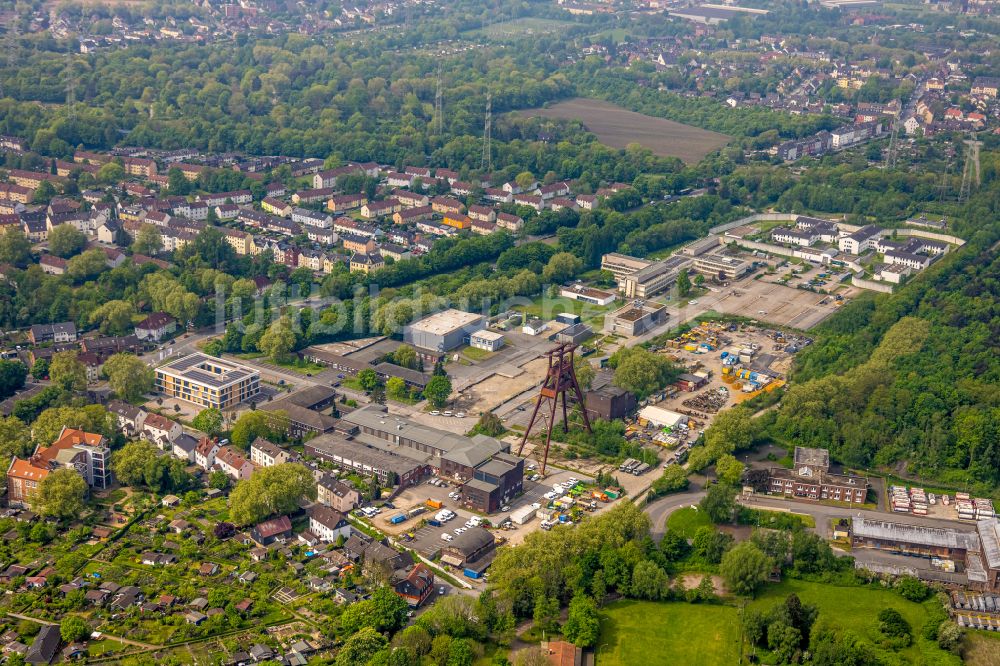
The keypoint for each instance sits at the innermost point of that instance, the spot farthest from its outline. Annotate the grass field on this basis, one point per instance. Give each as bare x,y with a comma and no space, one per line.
644,632
982,649
547,308
692,634
687,521
618,127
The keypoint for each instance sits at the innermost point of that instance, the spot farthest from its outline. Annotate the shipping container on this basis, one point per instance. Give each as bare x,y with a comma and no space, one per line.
397,519
434,504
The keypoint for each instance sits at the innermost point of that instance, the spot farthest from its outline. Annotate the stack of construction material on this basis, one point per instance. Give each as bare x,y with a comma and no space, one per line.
966,509
984,508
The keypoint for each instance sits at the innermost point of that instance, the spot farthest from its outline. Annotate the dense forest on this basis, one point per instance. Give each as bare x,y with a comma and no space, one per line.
913,377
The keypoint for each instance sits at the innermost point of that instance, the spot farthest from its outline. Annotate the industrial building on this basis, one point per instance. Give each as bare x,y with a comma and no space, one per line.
635,318
610,402
621,265
654,279
721,267
494,483
580,292
486,340
811,479
443,331
207,381
389,468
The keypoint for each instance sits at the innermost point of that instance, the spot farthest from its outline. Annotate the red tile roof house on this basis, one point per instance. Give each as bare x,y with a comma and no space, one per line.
271,530
160,430
155,327
52,264
417,586
230,461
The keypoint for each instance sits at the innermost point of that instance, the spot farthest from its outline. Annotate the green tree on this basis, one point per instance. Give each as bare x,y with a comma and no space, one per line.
219,480
711,544
131,461
130,378
728,469
12,376
546,612
385,612
489,424
73,629
437,391
15,438
60,495
278,340
406,357
719,503
585,373
209,421
744,568
271,491
65,240
683,283
44,193
368,379
15,248
583,624
88,265
562,267
783,640
91,418
112,172
396,389
674,479
642,372
148,240
893,625
732,430
649,581
360,647
524,180
113,317
40,370
251,425
67,372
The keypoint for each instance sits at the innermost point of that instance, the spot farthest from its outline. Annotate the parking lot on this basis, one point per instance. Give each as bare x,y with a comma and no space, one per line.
427,540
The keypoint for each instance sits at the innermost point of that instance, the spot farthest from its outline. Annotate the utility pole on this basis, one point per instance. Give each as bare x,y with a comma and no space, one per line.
971,171
487,162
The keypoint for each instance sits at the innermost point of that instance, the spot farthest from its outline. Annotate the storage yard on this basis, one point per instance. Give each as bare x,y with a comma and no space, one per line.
920,503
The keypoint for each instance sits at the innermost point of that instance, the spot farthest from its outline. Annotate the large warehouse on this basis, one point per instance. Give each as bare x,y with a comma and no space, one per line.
443,331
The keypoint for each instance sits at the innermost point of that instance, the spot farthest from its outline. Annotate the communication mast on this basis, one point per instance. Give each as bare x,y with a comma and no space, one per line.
971,171
487,163
560,379
439,105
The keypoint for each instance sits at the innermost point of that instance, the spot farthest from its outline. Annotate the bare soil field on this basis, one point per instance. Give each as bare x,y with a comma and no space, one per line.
618,127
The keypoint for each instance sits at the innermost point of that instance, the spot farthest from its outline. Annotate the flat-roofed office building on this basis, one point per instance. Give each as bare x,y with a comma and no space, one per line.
207,381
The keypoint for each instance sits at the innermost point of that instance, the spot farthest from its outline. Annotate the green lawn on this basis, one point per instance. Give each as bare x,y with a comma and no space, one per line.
547,309
687,521
645,632
301,366
634,631
476,354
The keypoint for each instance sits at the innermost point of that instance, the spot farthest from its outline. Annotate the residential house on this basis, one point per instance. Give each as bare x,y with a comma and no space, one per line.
230,461
336,494
396,252
417,586
52,264
276,207
409,215
328,524
510,222
446,205
345,202
267,454
271,530
61,332
160,430
205,452
128,418
155,327
363,262
376,209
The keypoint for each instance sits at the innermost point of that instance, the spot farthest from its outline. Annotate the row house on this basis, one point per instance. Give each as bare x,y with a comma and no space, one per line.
311,259
436,228
323,236
482,227
274,190
482,213
32,179
264,453
419,172
14,144
376,209
410,215
498,195
240,241
557,204
328,178
64,168
447,175
16,193
227,211
446,205
457,220
364,262
336,494
396,179
312,196
189,171
461,189
89,157
358,244
553,190
346,225
140,166
311,217
237,197
393,251
530,200
344,202
276,207
410,199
